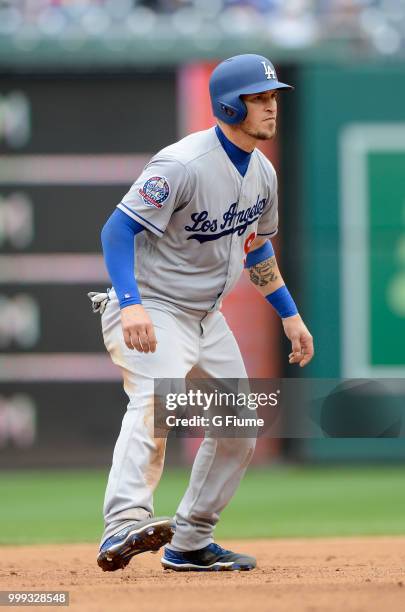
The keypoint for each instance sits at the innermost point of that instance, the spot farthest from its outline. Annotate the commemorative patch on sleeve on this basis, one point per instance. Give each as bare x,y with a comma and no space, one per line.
155,191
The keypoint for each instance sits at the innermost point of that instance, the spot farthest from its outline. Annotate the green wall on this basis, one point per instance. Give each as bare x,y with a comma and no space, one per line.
330,100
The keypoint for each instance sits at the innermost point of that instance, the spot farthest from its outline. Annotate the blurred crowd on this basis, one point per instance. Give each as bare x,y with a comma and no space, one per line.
287,23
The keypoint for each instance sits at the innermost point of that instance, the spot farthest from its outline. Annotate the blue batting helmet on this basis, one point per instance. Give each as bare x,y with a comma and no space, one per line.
238,75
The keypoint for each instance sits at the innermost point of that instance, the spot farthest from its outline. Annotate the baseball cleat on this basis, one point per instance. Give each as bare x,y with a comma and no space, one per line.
142,536
212,558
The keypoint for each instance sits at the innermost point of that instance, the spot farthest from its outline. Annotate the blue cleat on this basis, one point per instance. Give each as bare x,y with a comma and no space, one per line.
142,536
212,558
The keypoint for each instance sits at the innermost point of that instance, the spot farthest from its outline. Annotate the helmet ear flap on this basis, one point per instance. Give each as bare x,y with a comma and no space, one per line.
233,111
244,107
228,110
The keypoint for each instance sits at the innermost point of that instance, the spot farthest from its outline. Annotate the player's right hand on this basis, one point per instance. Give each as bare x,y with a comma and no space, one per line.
138,329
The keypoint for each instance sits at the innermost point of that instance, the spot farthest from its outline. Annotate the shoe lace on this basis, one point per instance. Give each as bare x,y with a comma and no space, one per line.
217,549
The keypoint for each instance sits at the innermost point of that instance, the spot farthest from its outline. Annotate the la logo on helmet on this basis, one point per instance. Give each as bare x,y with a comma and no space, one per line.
269,71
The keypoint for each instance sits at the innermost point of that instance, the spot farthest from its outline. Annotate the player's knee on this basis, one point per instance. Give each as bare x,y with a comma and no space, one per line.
237,447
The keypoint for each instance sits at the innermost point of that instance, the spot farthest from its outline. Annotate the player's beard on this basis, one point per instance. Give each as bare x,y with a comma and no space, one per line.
258,134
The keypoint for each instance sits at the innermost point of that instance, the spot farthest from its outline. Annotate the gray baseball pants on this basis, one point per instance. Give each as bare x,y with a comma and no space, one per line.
185,338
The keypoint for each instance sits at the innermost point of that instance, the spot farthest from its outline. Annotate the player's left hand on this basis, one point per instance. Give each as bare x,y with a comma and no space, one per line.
301,340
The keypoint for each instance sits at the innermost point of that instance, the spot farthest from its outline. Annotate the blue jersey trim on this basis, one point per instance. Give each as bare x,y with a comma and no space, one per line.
140,217
269,233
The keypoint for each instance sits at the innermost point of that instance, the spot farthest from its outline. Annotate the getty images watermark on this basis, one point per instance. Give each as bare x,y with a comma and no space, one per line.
211,403
280,408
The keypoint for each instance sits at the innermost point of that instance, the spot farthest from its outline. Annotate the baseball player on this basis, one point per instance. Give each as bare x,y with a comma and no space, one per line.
202,210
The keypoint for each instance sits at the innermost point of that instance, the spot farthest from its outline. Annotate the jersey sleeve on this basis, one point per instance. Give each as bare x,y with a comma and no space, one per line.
268,222
161,188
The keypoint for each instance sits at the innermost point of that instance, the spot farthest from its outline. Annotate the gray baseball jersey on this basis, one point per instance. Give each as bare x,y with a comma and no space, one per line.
202,216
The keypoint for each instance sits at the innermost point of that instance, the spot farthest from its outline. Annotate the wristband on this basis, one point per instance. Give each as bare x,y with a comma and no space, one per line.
282,302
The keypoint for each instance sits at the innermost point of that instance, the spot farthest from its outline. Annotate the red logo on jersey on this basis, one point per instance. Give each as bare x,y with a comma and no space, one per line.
248,244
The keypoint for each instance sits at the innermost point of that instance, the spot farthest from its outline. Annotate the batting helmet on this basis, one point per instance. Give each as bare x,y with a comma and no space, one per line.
238,75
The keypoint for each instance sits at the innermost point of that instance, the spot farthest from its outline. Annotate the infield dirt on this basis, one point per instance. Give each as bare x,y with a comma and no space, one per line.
311,575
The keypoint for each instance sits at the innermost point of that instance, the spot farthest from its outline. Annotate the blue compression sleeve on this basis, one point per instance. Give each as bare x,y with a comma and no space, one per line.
282,302
117,237
258,255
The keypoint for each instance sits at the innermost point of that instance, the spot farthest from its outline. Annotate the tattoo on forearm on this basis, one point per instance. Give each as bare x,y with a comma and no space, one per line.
263,272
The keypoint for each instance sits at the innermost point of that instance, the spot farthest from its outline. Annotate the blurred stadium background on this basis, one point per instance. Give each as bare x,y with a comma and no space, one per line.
89,90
